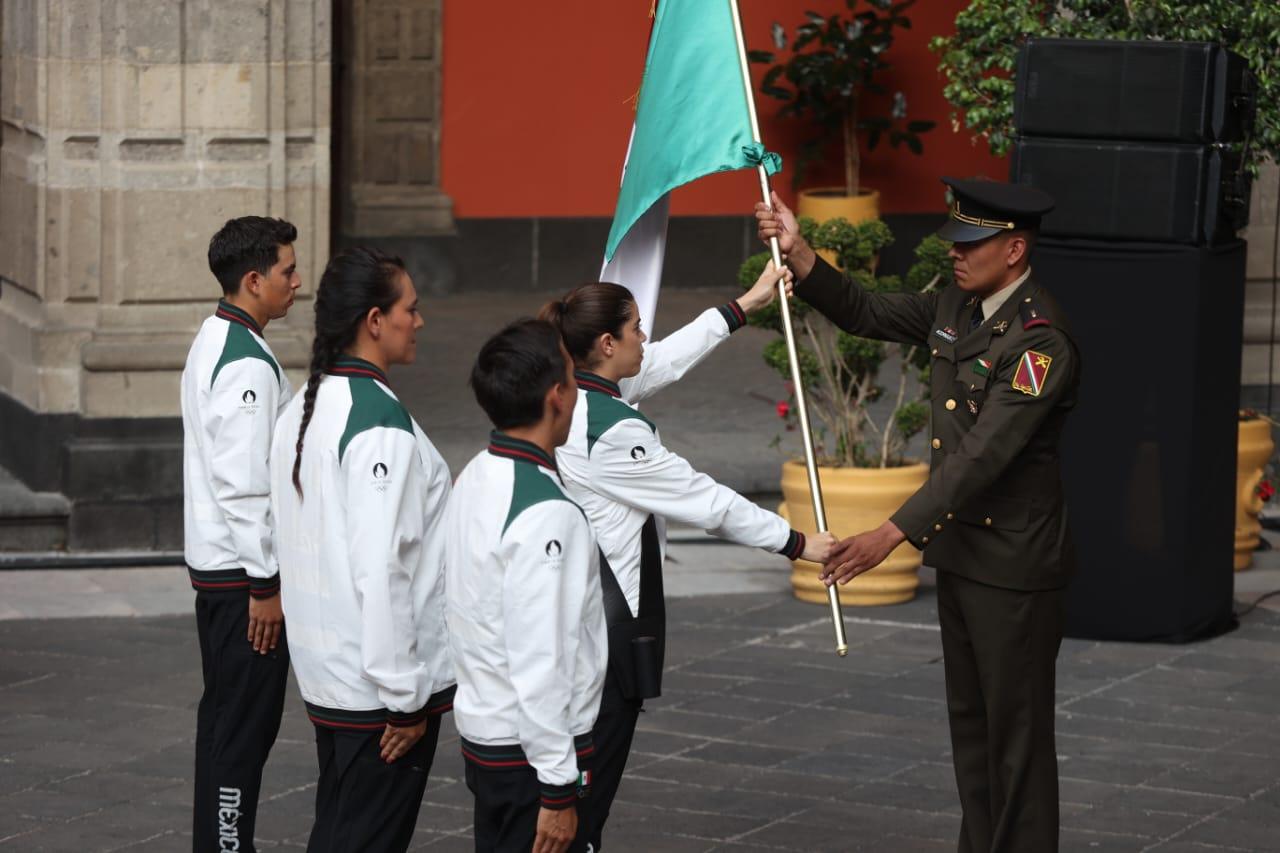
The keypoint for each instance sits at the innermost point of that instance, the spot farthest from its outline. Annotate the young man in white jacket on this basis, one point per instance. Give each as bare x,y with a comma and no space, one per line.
358,493
233,389
526,617
628,483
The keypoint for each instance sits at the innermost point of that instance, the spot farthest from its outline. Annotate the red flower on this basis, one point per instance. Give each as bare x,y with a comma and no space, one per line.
1266,490
784,409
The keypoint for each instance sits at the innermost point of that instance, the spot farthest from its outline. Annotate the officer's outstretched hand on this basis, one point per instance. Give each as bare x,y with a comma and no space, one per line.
857,554
398,740
777,220
818,546
556,828
765,288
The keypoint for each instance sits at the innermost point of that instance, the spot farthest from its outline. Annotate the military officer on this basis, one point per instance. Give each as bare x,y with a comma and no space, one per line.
991,518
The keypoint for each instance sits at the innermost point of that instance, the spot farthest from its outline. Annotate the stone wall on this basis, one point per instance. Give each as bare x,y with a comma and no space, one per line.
131,130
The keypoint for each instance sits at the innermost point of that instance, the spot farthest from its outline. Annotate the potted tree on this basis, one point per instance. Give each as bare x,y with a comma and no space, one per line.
834,63
863,421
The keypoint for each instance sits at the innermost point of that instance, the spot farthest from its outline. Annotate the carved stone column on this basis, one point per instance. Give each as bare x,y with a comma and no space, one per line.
132,129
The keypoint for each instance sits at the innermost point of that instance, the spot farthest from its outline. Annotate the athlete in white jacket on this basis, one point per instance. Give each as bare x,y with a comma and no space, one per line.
617,469
232,389
358,494
526,616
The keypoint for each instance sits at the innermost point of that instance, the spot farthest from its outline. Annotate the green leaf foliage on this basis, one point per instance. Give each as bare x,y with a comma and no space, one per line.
832,63
840,371
979,61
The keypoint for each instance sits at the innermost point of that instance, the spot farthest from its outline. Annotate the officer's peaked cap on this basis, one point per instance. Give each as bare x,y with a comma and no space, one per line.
982,208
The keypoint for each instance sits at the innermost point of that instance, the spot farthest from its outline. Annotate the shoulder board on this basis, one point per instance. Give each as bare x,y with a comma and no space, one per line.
605,412
1033,314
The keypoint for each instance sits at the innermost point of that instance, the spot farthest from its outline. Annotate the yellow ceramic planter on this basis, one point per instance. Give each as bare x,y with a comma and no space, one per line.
823,203
1252,452
857,500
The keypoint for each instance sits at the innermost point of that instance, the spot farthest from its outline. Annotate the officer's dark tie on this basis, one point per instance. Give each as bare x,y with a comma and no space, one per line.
977,319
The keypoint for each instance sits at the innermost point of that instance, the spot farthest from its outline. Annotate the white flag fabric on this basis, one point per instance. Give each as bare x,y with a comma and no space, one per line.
637,263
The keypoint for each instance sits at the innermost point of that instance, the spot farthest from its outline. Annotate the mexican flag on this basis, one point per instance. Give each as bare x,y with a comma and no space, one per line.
692,119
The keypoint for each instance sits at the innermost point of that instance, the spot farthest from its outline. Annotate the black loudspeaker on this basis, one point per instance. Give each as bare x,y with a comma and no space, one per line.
1148,456
1148,90
1161,192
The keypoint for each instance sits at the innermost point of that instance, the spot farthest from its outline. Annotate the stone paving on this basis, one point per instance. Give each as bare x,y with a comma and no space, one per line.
764,739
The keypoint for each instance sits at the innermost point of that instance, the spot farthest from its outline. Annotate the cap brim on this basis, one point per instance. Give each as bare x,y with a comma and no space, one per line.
962,232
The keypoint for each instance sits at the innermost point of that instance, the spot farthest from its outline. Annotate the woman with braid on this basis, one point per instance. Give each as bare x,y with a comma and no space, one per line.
358,494
615,466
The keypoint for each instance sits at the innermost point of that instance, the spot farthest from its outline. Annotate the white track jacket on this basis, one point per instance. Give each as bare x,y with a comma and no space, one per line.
616,468
361,555
526,617
233,389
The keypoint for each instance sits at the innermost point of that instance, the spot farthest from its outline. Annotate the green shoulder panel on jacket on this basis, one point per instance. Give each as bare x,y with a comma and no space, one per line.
371,407
241,343
530,487
604,412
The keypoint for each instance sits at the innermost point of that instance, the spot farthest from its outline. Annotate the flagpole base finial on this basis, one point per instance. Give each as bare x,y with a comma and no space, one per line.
842,650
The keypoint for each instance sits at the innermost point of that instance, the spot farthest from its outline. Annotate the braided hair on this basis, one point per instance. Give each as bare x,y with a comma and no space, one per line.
353,284
587,312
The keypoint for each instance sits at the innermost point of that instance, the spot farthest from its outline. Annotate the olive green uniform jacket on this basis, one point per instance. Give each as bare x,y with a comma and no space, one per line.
992,509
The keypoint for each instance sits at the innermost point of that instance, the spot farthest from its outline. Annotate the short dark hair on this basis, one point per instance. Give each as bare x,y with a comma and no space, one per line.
514,371
247,244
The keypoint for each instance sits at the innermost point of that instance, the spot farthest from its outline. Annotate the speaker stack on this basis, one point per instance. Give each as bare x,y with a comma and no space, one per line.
1139,143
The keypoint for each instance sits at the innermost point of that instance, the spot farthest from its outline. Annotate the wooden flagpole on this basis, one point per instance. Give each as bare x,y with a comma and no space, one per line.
810,460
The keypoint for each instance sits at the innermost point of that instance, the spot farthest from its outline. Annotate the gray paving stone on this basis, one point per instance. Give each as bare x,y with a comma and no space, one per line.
764,740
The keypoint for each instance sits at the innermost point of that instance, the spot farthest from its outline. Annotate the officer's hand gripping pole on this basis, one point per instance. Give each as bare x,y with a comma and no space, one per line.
802,410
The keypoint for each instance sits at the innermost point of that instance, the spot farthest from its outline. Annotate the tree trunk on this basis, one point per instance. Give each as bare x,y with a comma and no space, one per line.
852,159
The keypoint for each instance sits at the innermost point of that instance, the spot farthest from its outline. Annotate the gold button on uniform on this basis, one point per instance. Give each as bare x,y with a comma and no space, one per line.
937,442
987,522
950,516
924,539
951,405
937,527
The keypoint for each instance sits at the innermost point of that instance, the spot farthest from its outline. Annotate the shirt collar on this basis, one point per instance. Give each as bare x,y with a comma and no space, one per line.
996,301
501,444
592,382
349,365
231,313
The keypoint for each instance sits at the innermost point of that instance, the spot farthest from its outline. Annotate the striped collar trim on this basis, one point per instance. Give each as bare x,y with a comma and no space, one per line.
501,444
592,382
227,311
349,365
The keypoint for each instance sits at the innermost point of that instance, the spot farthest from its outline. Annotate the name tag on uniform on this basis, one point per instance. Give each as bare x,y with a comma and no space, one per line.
948,334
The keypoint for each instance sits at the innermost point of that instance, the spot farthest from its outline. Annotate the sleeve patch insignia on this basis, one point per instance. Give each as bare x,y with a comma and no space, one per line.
1033,367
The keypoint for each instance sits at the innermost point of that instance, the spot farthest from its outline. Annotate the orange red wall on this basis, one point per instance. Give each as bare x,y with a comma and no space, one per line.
536,112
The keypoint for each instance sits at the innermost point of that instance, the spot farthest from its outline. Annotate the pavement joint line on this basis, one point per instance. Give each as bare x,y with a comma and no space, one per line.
1116,682
138,842
775,822
1184,830
27,681
285,793
1158,724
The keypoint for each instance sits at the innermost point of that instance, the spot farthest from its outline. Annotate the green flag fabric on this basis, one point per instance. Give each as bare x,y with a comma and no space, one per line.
692,118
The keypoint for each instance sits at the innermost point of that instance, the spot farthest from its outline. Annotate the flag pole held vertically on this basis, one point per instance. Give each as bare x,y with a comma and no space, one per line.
810,460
